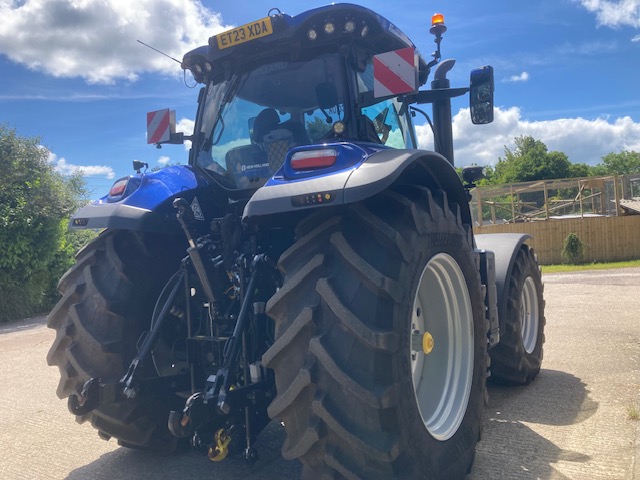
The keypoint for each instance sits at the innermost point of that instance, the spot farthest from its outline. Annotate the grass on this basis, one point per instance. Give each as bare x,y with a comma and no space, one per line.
633,413
589,266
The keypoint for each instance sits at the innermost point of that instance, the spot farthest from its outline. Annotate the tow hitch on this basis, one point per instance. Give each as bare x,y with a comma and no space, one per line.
88,399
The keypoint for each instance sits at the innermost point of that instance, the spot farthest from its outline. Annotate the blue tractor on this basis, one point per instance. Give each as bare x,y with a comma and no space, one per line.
310,264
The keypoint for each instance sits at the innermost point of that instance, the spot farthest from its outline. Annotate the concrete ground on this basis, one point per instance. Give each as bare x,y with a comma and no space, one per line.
572,422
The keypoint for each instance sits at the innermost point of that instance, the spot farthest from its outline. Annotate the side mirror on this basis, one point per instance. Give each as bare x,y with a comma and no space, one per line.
138,165
481,95
470,175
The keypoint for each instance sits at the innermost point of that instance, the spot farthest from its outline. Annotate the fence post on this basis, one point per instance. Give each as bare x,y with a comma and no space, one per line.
546,200
616,193
513,207
580,197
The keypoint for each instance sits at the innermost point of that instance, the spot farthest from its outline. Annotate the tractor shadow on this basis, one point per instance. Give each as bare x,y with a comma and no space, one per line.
126,464
510,447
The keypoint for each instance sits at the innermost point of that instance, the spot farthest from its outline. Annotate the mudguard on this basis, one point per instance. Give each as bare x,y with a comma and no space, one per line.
145,205
372,175
505,247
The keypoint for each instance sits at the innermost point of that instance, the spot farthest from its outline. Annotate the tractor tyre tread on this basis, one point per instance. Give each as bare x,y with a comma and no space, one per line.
107,297
336,354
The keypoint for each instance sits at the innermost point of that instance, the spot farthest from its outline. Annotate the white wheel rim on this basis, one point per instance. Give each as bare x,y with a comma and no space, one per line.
442,378
529,315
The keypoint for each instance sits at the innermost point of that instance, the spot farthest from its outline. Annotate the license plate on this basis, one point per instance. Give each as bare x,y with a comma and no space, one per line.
245,33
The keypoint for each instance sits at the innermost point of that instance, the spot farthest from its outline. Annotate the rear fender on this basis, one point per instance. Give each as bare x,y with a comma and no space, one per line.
376,173
505,247
148,207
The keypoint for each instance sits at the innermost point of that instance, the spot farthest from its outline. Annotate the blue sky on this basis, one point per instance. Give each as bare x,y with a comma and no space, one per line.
72,73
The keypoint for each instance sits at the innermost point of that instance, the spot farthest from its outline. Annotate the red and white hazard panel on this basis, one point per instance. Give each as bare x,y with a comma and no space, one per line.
395,72
160,125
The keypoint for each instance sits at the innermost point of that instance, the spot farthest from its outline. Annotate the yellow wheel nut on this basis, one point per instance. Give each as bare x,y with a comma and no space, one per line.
427,343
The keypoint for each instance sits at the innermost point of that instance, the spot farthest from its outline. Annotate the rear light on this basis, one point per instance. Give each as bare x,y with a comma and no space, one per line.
123,187
118,187
314,159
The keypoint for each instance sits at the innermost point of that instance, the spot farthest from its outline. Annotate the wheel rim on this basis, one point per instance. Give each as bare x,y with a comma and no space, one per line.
529,315
442,375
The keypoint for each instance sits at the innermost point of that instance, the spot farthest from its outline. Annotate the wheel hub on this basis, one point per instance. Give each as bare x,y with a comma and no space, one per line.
422,342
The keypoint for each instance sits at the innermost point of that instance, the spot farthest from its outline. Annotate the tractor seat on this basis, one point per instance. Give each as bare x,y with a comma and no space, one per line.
276,138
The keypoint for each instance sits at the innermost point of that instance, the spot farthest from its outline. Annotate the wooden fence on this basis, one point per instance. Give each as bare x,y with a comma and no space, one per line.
605,239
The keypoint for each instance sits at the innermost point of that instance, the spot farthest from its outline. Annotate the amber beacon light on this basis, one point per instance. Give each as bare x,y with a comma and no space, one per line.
437,24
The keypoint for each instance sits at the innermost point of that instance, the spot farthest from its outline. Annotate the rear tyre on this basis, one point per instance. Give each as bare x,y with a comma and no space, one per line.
108,300
517,357
362,390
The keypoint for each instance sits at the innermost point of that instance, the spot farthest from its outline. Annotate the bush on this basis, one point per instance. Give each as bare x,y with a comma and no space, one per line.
35,203
64,258
572,250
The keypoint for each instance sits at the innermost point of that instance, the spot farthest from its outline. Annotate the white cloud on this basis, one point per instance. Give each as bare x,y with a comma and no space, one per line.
523,77
583,140
614,13
186,125
96,40
164,160
636,38
61,165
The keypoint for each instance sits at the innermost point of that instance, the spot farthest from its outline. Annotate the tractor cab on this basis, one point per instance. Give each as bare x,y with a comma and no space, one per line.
277,88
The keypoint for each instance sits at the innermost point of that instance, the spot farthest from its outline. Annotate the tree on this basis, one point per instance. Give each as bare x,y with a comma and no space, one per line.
623,163
578,170
530,160
35,203
317,128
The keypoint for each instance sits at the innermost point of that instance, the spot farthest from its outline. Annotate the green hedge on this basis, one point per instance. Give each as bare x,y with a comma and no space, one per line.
35,204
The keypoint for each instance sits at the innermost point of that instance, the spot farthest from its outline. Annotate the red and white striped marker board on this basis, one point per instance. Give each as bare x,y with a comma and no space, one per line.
160,125
395,72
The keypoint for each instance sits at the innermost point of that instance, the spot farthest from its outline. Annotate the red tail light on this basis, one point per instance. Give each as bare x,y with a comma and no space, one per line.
314,159
118,187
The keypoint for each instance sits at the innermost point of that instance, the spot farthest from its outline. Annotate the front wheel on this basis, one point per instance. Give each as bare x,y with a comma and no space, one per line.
108,300
516,359
380,352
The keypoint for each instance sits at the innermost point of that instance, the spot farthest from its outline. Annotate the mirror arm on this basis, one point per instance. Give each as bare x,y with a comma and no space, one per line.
176,139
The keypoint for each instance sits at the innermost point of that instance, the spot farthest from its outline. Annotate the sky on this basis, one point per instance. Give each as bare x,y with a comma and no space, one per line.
73,74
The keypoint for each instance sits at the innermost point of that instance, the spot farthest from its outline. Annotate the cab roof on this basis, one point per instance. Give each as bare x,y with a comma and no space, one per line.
290,37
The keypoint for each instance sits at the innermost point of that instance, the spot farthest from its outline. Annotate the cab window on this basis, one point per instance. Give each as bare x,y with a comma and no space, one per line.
383,117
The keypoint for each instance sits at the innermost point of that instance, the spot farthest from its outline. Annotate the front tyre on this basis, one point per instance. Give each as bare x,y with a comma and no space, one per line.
380,351
517,358
108,299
